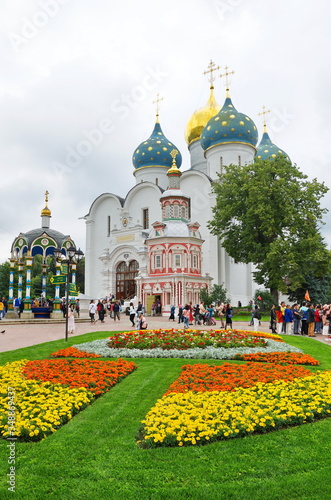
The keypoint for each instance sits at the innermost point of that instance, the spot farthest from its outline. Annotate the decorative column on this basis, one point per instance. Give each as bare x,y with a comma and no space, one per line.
27,301
11,284
20,280
43,284
57,301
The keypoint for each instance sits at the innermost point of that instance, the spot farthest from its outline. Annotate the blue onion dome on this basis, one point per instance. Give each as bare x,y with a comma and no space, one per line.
267,149
155,151
229,126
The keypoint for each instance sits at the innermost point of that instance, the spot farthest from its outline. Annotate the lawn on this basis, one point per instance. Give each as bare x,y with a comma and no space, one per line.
95,455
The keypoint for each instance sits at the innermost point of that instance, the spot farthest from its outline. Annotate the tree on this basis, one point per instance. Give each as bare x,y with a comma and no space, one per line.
263,299
218,294
268,213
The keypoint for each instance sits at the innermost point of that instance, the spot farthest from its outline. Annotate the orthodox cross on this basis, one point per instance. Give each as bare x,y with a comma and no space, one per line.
226,74
264,113
157,100
211,69
46,197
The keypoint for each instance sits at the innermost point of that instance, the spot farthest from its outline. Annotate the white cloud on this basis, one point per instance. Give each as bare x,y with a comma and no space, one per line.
89,63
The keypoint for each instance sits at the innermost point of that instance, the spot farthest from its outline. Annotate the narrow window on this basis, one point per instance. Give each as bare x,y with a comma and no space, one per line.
158,261
183,212
239,161
145,218
221,164
108,225
176,210
177,260
157,181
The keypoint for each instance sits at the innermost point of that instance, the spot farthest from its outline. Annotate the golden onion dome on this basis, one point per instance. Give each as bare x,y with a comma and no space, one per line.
46,211
200,118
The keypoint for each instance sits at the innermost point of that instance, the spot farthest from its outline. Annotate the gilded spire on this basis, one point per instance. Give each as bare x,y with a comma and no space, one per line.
227,83
174,169
46,210
264,113
211,68
157,107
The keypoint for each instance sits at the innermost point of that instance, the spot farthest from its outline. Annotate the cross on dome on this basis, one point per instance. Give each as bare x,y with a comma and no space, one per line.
211,70
157,107
264,113
226,74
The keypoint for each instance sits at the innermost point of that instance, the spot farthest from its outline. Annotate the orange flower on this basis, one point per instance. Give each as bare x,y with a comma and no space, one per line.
227,377
96,376
72,352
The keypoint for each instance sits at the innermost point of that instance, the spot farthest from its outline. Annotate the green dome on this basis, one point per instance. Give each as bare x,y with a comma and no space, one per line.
155,151
229,126
267,149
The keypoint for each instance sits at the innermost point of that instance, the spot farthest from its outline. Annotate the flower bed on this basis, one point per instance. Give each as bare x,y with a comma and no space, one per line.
197,417
188,339
229,376
96,376
72,352
101,347
43,399
289,358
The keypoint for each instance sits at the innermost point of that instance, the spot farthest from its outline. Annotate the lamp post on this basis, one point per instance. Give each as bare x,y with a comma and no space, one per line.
73,255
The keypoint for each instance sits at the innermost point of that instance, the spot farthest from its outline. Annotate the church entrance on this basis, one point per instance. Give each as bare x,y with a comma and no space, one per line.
125,280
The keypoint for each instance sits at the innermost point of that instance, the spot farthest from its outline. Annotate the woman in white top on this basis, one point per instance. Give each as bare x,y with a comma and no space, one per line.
71,320
132,313
92,309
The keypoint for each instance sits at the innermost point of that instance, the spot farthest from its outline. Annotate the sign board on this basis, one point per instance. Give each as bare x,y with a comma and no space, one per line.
58,279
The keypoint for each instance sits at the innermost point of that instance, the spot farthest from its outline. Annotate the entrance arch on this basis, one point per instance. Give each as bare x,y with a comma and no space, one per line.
125,279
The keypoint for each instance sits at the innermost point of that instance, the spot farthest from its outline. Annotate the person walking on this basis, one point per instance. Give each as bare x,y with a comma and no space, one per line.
288,319
71,320
117,311
132,313
296,319
273,319
92,309
304,315
311,321
172,313
228,316
280,320
256,318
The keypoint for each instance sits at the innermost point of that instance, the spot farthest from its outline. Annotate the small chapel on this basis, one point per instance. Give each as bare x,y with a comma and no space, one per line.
155,244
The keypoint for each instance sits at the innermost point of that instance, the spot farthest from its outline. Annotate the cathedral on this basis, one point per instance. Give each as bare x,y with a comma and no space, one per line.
154,244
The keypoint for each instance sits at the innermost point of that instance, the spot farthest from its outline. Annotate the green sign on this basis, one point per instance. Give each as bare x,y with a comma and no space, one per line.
58,279
64,268
73,294
72,287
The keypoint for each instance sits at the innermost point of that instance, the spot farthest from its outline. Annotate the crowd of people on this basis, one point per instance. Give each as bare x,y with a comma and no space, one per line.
109,306
202,314
307,319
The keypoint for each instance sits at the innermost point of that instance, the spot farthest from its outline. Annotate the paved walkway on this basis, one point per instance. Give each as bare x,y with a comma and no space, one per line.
17,335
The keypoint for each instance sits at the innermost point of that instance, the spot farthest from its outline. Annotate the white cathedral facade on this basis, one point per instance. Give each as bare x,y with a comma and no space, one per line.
154,244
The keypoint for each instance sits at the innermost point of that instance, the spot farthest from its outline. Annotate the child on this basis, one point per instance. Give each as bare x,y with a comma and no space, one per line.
142,322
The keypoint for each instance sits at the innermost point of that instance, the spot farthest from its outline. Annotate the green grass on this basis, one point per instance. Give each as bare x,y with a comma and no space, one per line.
95,455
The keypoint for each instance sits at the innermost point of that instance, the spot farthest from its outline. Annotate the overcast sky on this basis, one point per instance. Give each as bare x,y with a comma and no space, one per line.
78,78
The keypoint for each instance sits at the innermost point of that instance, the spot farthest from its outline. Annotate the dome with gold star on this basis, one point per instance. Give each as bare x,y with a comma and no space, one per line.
267,149
155,151
200,118
229,126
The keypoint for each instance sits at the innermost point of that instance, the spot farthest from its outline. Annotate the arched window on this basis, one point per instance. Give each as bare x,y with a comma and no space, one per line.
183,210
176,210
125,279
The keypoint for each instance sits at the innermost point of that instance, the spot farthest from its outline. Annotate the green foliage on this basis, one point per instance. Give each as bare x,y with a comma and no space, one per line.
268,213
319,290
267,299
218,294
